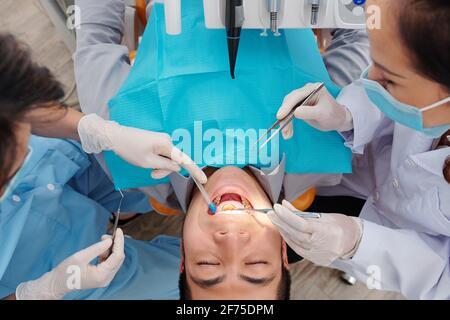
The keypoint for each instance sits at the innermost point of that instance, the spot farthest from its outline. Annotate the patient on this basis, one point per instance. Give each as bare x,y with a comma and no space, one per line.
232,255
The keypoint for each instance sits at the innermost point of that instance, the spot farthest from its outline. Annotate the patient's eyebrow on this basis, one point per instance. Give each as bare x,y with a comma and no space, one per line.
258,281
208,283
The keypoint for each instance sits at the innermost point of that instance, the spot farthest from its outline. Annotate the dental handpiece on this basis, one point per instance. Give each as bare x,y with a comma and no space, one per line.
315,6
234,20
274,9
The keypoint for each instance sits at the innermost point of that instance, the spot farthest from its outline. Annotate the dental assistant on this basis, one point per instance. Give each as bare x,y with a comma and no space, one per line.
396,120
56,200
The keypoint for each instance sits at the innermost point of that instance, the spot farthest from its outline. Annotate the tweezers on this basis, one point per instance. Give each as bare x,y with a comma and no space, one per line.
289,117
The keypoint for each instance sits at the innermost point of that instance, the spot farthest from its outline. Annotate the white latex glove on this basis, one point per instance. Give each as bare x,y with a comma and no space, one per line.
54,285
322,112
321,241
142,148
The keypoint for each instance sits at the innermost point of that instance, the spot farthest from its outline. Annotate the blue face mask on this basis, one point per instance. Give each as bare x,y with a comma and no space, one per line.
12,183
397,111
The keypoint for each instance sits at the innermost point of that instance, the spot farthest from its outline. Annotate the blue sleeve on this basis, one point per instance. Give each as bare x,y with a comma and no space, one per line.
5,292
95,184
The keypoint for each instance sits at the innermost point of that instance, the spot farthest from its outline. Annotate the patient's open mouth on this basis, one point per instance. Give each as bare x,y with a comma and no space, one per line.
231,201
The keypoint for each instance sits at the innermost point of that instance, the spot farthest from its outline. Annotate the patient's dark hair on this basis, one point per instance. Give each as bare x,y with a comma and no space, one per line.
424,27
24,86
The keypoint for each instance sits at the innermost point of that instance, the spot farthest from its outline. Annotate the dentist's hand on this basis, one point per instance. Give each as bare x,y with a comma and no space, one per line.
54,285
145,149
321,241
322,112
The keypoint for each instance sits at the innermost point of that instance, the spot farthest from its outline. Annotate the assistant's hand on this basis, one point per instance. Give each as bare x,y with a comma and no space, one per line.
322,112
321,241
142,148
62,280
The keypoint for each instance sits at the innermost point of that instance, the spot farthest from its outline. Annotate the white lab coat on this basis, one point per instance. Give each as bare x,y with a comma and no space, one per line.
406,240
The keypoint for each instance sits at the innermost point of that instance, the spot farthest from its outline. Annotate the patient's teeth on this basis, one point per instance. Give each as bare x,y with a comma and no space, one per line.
246,203
217,201
228,207
232,197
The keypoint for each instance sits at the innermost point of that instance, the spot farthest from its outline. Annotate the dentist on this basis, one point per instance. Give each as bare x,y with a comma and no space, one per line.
396,120
56,200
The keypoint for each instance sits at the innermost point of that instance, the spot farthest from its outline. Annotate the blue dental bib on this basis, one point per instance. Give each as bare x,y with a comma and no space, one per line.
181,85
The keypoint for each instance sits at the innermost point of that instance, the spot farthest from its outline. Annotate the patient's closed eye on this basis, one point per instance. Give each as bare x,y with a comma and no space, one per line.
208,263
256,262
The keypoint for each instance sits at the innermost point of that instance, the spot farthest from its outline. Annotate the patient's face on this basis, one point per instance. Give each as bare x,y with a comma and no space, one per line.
230,255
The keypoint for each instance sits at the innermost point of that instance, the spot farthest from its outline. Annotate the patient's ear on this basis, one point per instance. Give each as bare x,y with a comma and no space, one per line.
284,255
182,256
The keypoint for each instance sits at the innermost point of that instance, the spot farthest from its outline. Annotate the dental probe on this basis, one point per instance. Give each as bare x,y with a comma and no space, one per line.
205,196
301,214
116,222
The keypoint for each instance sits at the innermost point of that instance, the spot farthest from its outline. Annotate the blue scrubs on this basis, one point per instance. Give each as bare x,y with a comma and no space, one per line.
62,205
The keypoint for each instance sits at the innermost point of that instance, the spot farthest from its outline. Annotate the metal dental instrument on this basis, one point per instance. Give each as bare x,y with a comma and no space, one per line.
234,20
286,120
306,215
274,9
205,196
116,221
315,6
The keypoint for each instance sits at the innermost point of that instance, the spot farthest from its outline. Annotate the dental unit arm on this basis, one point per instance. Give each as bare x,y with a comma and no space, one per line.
271,15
